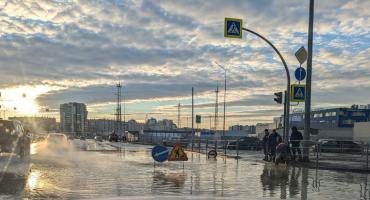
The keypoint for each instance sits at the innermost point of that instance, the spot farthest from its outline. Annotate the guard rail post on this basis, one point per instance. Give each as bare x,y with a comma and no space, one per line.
206,146
199,146
237,148
225,143
192,144
367,157
317,155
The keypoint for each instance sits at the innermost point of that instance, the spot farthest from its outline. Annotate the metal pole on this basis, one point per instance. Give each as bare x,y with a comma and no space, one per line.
288,80
307,110
192,111
223,133
285,103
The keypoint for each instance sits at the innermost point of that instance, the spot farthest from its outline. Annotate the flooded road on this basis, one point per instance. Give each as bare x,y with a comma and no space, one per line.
102,172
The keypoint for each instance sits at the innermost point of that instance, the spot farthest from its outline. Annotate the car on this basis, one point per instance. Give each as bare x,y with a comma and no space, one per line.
338,146
82,138
170,142
113,137
98,138
57,141
245,143
13,138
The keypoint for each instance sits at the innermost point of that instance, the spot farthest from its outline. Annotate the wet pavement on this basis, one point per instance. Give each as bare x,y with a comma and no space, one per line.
90,170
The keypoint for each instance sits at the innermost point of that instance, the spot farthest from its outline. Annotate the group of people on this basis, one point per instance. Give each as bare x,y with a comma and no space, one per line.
273,144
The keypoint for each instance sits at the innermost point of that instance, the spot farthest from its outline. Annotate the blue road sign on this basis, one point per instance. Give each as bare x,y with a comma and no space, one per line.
297,93
300,73
160,153
233,28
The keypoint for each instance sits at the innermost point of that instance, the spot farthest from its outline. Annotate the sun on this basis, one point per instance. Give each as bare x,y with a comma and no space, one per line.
22,99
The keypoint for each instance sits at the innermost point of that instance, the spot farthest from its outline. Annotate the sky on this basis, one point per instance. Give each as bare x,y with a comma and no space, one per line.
57,51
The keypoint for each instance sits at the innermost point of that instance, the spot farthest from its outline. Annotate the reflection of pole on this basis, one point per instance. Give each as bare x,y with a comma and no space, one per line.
304,183
307,110
288,81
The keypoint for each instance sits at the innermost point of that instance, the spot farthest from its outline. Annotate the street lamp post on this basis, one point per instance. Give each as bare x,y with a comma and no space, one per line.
224,126
286,121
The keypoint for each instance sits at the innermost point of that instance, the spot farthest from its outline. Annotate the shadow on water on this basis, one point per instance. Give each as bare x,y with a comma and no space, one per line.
12,184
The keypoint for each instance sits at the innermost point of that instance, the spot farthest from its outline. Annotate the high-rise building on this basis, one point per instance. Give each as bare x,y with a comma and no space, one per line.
73,118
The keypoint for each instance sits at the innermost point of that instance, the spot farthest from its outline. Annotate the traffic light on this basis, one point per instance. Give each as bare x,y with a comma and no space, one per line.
279,97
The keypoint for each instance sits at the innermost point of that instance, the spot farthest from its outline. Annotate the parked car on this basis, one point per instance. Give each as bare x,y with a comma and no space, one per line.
13,138
113,137
339,146
245,143
98,138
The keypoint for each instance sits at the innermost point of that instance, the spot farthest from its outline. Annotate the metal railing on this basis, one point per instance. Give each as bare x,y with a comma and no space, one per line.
339,154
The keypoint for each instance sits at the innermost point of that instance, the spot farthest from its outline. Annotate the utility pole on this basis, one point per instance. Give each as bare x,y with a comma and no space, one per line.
307,110
124,116
224,125
178,115
192,111
216,109
118,124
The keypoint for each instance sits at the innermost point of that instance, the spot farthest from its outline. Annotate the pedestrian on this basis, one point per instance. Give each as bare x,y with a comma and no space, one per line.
265,143
274,140
282,153
295,141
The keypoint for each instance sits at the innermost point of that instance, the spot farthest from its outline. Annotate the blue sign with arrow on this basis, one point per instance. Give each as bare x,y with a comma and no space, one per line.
300,73
160,153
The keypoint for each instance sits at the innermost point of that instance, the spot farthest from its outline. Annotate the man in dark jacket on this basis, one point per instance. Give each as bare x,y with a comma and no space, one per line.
265,143
274,140
295,140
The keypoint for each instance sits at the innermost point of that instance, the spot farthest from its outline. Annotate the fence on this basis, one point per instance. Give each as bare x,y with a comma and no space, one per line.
327,154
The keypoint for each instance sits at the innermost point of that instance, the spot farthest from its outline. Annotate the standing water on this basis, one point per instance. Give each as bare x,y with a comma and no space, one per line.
100,173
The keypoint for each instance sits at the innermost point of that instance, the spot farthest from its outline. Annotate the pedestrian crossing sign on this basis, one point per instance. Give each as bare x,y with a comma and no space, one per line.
177,153
297,93
233,28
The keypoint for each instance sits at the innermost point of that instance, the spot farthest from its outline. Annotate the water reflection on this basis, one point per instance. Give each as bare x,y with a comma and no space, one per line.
285,179
82,174
168,182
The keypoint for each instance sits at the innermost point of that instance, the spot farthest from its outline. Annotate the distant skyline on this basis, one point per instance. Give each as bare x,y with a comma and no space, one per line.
61,51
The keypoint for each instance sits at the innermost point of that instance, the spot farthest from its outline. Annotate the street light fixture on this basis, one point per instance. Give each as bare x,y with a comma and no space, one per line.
287,118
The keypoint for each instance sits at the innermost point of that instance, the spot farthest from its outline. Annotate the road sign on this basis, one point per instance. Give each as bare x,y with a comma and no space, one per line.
301,55
177,153
160,153
233,28
297,93
198,119
300,73
212,154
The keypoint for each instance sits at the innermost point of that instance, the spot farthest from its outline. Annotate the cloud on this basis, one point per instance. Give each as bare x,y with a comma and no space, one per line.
160,49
